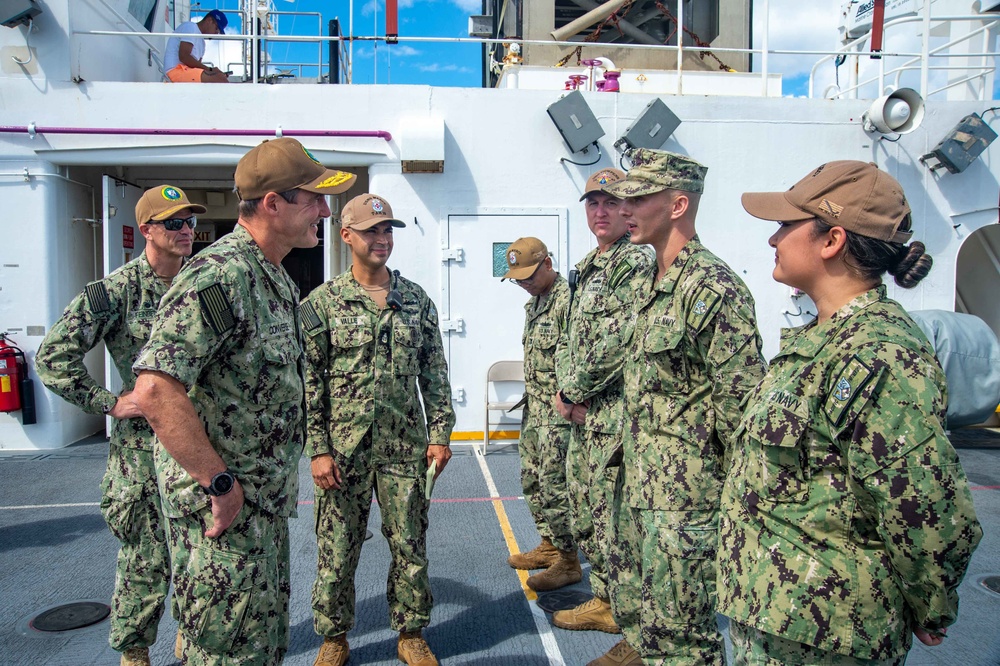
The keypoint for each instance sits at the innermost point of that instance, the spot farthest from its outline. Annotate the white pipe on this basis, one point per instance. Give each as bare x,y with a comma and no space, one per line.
587,20
765,43
680,47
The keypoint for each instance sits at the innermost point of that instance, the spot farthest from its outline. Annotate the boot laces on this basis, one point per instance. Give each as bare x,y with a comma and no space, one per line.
620,649
331,650
418,646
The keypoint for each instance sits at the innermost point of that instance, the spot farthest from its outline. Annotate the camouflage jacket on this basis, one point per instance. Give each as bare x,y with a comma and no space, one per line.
118,310
847,520
364,365
544,325
599,327
228,330
695,354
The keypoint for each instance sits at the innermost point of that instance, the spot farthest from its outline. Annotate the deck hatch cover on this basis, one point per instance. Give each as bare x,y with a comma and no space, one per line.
70,616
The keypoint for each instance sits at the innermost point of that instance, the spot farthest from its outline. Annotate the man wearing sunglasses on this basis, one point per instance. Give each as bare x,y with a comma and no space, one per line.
119,310
221,383
545,434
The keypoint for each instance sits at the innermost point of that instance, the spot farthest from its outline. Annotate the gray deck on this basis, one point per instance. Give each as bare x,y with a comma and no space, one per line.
55,549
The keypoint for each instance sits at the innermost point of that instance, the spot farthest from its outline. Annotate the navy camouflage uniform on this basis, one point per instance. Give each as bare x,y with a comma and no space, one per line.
228,330
847,520
600,317
695,353
545,435
364,366
118,310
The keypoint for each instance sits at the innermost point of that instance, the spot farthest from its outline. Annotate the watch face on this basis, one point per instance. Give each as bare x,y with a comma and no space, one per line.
222,483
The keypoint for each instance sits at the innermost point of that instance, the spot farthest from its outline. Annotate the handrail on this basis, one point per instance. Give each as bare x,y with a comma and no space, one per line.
852,49
923,56
32,130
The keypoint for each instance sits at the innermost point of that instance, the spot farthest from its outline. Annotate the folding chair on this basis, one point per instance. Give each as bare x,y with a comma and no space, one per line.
501,399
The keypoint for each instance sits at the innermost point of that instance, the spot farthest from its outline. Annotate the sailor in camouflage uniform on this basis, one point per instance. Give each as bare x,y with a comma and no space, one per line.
544,433
372,339
847,520
119,310
590,379
221,382
694,354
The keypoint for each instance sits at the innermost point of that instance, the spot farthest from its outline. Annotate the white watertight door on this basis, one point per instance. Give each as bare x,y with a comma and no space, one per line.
122,244
482,318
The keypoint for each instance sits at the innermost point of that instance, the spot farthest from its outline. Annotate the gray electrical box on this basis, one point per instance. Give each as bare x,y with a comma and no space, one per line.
18,12
575,121
651,129
481,25
962,145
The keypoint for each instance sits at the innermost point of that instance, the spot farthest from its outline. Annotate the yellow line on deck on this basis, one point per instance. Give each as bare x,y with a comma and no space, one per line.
508,535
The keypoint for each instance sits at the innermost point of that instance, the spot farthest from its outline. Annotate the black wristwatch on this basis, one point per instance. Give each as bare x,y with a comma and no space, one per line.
564,400
221,484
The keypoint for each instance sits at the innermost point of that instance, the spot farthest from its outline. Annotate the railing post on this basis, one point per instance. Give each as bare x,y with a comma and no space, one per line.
925,41
680,46
765,45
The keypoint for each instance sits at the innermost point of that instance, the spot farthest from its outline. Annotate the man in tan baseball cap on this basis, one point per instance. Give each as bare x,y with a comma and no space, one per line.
545,435
374,351
590,394
231,326
119,311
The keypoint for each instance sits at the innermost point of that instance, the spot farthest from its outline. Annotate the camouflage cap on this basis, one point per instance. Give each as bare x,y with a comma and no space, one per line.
160,202
657,170
601,179
279,165
365,211
857,196
523,257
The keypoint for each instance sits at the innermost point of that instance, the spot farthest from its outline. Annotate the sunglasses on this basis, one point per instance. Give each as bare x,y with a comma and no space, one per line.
177,223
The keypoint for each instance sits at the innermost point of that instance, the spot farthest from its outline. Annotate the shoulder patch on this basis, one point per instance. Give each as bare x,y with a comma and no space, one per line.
97,297
621,271
706,303
310,320
216,309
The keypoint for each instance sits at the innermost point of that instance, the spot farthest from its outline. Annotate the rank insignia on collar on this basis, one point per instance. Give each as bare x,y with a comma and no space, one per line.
843,390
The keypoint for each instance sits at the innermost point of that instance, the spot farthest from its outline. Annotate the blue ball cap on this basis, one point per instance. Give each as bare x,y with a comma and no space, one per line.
220,18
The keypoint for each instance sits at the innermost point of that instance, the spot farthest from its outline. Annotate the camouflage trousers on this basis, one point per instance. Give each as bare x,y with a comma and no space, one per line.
130,504
591,485
753,647
543,479
663,592
341,523
231,593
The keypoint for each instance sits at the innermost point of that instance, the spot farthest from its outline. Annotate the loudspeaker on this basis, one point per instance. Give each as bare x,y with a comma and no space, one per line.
575,121
651,129
899,112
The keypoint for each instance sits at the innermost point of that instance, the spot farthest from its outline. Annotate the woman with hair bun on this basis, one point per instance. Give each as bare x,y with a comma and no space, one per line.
847,523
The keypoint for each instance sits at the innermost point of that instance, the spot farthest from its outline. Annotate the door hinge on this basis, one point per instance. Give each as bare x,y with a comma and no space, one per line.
457,325
453,254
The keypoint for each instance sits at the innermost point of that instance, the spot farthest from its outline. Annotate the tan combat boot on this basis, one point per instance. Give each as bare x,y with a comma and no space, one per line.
333,652
137,656
621,654
541,556
593,615
565,571
412,649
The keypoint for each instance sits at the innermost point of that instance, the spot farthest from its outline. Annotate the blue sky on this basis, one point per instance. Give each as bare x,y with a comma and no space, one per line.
429,64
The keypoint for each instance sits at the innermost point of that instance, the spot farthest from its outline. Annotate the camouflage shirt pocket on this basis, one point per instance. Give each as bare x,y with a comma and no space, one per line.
406,347
349,346
667,364
782,472
140,324
278,381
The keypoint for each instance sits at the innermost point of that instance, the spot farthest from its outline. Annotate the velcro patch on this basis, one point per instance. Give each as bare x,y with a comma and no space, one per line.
97,297
706,303
851,383
217,310
310,320
620,272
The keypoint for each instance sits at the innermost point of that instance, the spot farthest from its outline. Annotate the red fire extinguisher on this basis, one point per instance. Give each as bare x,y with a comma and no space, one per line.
16,388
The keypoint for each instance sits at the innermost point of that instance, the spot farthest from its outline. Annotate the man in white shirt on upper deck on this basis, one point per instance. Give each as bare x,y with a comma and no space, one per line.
182,59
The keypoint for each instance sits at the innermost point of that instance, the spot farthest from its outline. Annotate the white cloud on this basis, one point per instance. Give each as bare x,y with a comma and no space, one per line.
437,67
470,6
